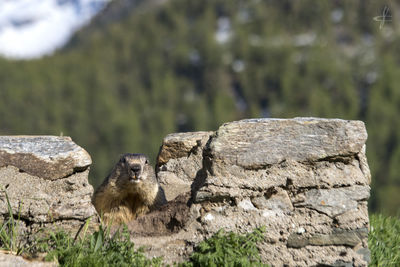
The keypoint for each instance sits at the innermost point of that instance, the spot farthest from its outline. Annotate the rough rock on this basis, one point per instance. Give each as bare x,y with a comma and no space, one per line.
305,179
339,237
48,157
8,260
274,140
335,201
278,200
179,161
46,181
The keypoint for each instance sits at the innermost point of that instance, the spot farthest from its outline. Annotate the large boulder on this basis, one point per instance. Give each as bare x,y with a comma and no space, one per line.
305,179
46,181
180,161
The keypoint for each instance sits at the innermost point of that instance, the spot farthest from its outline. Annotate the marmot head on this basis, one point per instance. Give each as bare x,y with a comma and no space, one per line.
134,168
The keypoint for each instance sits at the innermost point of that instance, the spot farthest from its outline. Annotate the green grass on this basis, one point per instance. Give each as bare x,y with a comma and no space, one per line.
100,249
97,249
103,249
228,249
9,229
384,241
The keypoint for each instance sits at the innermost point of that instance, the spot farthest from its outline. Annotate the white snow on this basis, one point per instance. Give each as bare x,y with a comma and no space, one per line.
33,28
224,30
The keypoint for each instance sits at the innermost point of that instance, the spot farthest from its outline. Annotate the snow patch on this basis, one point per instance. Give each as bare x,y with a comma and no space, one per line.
31,29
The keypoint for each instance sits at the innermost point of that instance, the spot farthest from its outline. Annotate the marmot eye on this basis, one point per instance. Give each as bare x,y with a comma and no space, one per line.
146,162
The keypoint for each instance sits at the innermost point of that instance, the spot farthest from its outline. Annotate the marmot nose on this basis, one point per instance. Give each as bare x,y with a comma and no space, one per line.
136,169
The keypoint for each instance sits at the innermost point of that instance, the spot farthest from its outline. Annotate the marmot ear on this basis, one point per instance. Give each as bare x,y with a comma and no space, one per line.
122,159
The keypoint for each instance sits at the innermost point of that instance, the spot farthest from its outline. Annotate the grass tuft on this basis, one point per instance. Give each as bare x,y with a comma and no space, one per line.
9,230
384,240
97,249
228,249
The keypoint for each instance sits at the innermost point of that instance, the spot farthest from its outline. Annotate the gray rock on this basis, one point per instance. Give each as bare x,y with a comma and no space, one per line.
8,260
180,160
335,201
246,204
354,218
338,238
44,201
301,178
362,158
172,184
365,253
31,172
180,145
48,157
337,174
256,143
279,200
338,263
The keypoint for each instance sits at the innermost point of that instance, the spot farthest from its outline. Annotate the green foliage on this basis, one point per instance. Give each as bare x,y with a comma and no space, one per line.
97,249
102,249
9,238
229,249
384,241
222,249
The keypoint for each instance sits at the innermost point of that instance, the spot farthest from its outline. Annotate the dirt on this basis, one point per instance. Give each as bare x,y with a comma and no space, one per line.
166,220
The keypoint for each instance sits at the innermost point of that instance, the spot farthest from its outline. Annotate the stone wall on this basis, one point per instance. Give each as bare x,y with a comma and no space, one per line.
46,181
305,179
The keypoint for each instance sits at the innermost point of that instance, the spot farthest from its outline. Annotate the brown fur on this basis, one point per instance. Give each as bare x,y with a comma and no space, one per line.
129,191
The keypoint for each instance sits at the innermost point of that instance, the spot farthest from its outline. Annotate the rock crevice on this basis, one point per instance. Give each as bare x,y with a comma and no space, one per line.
305,179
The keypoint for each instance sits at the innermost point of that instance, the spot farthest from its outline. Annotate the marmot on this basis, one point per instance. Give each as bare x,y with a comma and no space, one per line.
129,191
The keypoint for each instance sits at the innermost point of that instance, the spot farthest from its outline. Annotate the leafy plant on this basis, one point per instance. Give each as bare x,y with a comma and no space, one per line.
229,249
222,249
384,240
9,237
98,249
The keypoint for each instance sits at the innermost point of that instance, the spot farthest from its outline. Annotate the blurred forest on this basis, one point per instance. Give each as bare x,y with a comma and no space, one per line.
124,83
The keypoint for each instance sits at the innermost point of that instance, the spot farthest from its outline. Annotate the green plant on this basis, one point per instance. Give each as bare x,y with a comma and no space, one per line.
9,230
97,249
228,249
384,240
223,249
